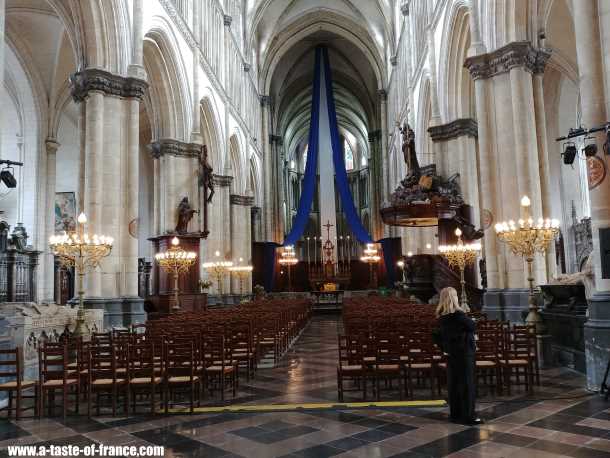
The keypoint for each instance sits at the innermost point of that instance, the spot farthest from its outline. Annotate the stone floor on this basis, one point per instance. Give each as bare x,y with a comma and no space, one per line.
560,419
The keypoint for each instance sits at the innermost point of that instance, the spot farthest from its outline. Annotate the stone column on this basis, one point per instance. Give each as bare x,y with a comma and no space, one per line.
507,125
2,60
543,161
457,142
592,104
136,68
111,187
48,259
93,192
220,239
241,245
476,43
267,205
374,182
174,158
385,169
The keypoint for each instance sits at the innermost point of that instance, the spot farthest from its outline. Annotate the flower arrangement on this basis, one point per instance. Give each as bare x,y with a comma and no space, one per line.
204,285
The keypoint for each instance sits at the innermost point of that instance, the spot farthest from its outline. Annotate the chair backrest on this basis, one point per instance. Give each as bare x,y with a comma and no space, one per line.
53,361
141,360
102,361
11,364
180,359
214,351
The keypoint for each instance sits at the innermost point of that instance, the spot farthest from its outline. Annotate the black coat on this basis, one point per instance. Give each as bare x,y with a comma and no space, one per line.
457,334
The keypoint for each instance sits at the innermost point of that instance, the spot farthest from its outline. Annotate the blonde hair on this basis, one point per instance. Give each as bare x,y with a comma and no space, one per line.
448,302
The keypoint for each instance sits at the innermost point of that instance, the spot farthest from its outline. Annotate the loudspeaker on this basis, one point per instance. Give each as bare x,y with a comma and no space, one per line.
569,154
8,179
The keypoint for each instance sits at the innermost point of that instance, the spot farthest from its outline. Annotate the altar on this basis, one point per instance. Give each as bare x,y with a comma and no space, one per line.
327,301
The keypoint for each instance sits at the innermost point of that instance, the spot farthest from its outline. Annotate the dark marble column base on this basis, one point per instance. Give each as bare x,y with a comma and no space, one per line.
597,339
506,304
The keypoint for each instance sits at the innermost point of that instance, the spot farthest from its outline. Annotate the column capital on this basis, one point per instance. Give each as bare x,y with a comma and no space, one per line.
404,7
502,60
247,67
394,60
222,180
227,20
52,145
265,100
95,79
383,95
454,129
244,201
172,147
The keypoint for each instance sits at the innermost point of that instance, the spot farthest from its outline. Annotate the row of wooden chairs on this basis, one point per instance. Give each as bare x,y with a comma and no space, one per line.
193,354
391,338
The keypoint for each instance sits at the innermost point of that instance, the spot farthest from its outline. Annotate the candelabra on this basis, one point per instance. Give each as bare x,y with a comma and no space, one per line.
525,239
175,261
461,255
218,268
242,273
288,259
84,252
371,257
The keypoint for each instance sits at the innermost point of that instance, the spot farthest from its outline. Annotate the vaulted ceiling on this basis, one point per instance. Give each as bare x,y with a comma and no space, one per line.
284,35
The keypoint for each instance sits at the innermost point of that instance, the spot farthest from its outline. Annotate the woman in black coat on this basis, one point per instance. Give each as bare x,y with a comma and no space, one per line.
457,341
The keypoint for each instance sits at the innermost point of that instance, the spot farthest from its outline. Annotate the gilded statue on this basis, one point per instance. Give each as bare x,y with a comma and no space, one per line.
408,150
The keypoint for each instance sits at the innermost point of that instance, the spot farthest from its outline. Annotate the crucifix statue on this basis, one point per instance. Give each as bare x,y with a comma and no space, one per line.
206,183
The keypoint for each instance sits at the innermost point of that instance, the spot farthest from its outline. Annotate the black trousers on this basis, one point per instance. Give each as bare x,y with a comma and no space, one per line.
461,386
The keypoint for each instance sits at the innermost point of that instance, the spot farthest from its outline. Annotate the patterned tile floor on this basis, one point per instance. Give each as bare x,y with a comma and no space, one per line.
559,420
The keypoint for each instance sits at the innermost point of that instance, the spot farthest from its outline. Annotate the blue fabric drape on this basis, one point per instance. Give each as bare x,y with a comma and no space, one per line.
269,253
389,259
311,168
341,181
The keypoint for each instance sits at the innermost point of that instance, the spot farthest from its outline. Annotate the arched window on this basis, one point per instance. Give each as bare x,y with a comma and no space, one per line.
349,156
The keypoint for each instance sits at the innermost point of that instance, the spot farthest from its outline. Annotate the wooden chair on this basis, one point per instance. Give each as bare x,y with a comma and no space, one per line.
144,373
219,368
350,367
181,366
487,361
11,366
103,378
387,365
54,375
421,365
517,360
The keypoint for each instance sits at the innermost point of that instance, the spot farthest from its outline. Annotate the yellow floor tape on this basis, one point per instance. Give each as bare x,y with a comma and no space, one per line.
310,406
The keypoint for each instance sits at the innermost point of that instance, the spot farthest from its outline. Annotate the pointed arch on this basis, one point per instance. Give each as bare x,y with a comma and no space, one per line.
168,97
211,132
456,88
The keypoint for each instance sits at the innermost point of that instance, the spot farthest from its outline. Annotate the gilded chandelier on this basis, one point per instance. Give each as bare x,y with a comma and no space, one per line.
371,257
218,268
459,256
84,252
242,272
526,238
289,259
176,261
